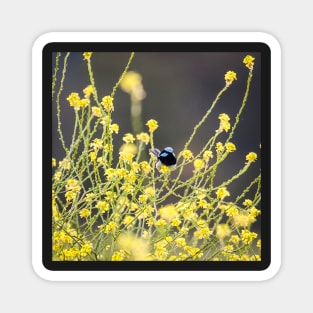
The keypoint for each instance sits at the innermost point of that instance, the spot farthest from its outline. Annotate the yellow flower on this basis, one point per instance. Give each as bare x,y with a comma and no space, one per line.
143,198
110,173
182,256
153,125
150,221
144,137
73,99
89,197
131,177
57,175
248,61
118,256
180,242
114,128
87,55
198,164
247,236
228,248
130,81
202,204
202,223
176,222
128,138
132,84
88,91
128,188
160,252
255,257
207,155
202,233
70,254
224,122
149,191
65,164
93,155
164,169
86,248
145,167
230,76
129,148
201,193
234,239
107,103
247,202
70,195
187,154
128,221
184,230
84,213
168,212
230,147
76,102
232,211
243,219
72,184
96,111
221,193
83,103
254,212
111,227
54,162
233,257
135,167
251,157
161,222
219,147
126,157
103,206
97,144
136,248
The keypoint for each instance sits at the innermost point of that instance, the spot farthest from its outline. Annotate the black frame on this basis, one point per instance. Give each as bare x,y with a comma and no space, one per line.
260,47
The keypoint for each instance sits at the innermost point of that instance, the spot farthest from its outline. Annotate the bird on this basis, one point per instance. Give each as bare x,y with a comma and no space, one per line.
165,157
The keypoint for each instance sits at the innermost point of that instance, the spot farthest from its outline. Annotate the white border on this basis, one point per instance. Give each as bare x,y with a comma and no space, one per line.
156,37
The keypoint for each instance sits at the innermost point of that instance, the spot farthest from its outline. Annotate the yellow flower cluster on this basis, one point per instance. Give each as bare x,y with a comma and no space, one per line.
249,61
73,187
230,76
251,157
224,122
87,55
187,154
107,103
152,125
76,102
132,84
144,137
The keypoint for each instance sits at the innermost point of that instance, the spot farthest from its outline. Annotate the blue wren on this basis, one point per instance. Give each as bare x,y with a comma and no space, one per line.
166,157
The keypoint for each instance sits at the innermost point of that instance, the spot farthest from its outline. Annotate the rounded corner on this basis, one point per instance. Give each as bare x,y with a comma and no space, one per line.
42,271
271,41
271,271
42,41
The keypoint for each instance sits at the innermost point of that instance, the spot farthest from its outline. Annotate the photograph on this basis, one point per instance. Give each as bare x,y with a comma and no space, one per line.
160,156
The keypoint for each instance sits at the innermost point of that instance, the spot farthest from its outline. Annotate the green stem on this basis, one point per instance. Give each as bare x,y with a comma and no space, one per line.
244,101
58,103
204,117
